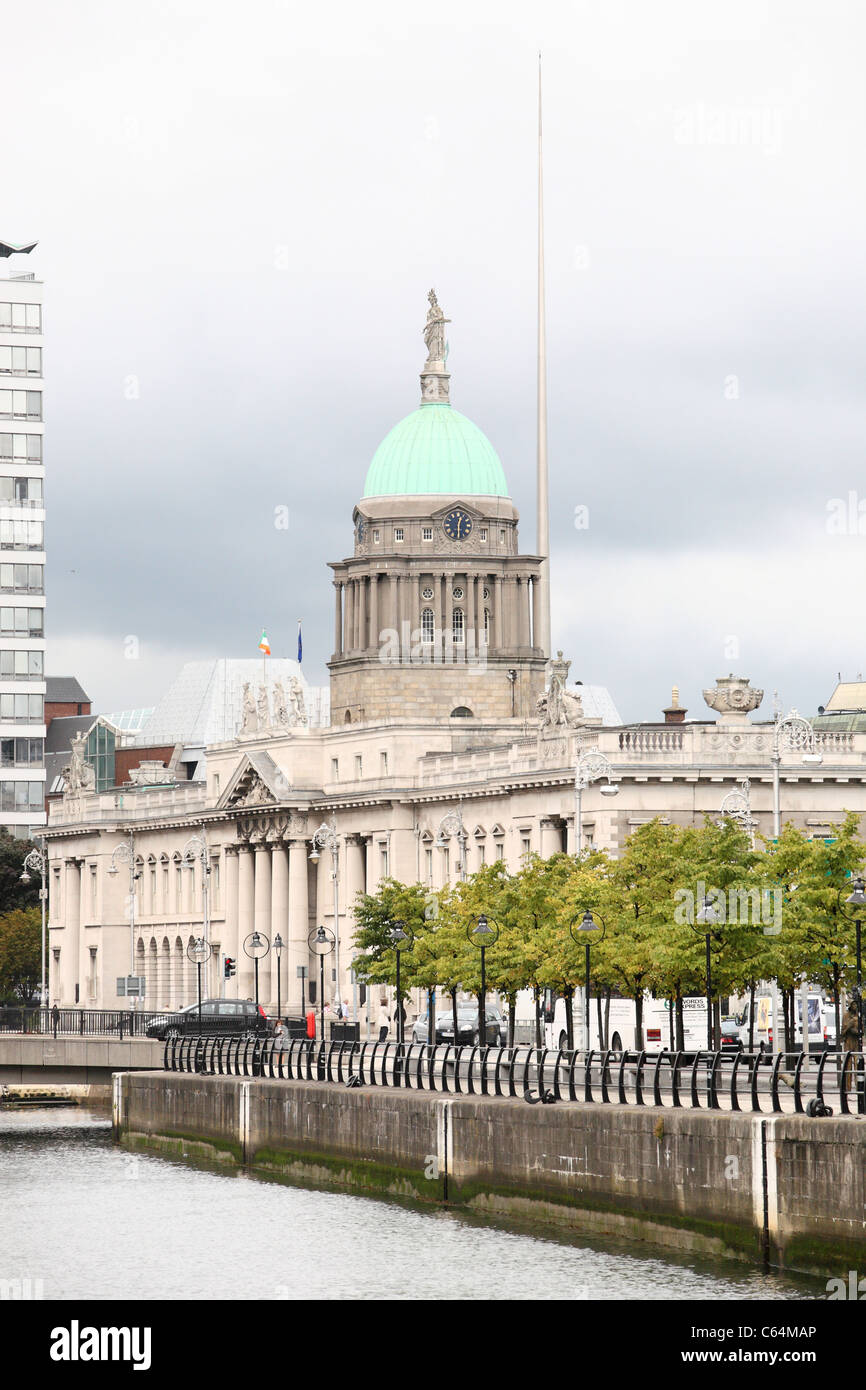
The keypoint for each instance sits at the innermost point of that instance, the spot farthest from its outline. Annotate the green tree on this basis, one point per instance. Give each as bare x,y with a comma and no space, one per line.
20,953
14,893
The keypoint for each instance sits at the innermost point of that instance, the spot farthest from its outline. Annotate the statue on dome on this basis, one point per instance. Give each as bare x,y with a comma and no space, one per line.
297,707
249,722
434,330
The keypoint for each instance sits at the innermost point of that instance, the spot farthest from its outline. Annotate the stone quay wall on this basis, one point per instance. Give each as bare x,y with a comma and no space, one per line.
785,1191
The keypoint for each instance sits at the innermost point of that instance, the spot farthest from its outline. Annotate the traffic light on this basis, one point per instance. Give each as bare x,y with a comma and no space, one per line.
230,968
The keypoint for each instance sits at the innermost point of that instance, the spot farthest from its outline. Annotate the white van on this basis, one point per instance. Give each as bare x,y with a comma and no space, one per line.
764,1028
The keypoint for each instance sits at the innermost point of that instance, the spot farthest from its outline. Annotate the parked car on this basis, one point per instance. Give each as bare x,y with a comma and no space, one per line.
222,1017
467,1026
730,1040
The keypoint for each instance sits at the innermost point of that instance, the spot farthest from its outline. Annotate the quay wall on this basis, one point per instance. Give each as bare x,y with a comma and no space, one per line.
786,1191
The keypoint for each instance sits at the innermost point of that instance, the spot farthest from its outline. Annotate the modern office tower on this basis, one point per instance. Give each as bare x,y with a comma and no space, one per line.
22,554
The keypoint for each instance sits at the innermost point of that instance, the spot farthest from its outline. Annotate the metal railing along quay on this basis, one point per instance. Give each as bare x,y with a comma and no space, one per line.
82,1023
759,1083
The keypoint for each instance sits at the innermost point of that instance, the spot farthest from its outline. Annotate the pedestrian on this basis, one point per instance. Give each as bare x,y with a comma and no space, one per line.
384,1020
55,1018
280,1037
850,1029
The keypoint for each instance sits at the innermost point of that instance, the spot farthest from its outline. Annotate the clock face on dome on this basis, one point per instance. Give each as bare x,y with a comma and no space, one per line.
457,524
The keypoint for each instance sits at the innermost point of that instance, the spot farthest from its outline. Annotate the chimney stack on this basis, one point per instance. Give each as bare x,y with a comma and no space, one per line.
673,714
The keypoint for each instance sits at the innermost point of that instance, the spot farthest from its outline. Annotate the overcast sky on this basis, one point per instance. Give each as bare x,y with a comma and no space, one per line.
240,211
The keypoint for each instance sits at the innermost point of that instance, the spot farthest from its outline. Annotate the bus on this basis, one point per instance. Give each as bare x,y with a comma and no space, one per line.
621,1022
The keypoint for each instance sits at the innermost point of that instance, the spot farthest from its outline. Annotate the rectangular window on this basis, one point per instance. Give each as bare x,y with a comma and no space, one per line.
20,665
524,846
21,535
21,752
446,865
482,852
20,491
93,890
500,851
501,536
359,767
335,769
375,537
482,533
21,796
385,861
215,885
398,533
21,579
22,448
20,361
20,405
426,533
428,862
383,764
20,318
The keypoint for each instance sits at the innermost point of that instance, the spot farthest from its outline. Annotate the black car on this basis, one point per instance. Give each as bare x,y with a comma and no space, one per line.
219,1017
467,1027
730,1039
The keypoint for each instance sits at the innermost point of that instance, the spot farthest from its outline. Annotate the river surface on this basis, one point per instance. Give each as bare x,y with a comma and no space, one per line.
82,1218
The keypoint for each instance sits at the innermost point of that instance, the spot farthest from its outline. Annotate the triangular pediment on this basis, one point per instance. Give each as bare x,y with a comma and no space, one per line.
455,502
257,781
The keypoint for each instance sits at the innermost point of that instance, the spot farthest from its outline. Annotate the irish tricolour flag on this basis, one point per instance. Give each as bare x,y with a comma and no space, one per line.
264,645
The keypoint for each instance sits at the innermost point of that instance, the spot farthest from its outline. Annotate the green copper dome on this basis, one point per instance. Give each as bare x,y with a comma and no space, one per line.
435,449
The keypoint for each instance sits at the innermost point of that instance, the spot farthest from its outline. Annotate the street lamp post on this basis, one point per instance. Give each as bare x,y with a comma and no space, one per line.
199,951
256,947
793,734
589,767
402,940
483,934
322,942
708,916
37,862
278,952
126,850
196,849
588,924
326,837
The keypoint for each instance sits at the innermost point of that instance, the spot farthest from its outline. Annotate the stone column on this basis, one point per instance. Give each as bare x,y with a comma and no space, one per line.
262,916
280,922
372,875
551,840
363,641
448,623
69,943
351,884
374,611
394,604
338,618
230,928
299,921
349,640
498,628
523,610
536,611
246,901
415,614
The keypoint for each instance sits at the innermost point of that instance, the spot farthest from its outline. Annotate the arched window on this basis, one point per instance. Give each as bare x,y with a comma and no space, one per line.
462,712
457,626
348,717
427,625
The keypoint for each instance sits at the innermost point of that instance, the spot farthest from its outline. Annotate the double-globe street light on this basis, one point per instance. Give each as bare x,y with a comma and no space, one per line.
322,942
584,932
483,935
199,952
589,767
36,862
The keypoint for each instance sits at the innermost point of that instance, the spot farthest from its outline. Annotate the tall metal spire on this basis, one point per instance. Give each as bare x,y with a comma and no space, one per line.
542,637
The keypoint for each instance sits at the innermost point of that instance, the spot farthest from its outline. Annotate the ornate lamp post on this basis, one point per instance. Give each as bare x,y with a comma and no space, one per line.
587,925
256,946
322,942
196,849
402,939
589,767
709,916
326,838
199,951
126,850
278,952
483,934
793,734
738,805
37,862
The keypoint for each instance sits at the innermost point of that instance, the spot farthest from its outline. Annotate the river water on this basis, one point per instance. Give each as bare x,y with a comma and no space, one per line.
81,1218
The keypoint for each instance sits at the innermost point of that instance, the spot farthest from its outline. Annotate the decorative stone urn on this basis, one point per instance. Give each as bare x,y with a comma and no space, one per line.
734,699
